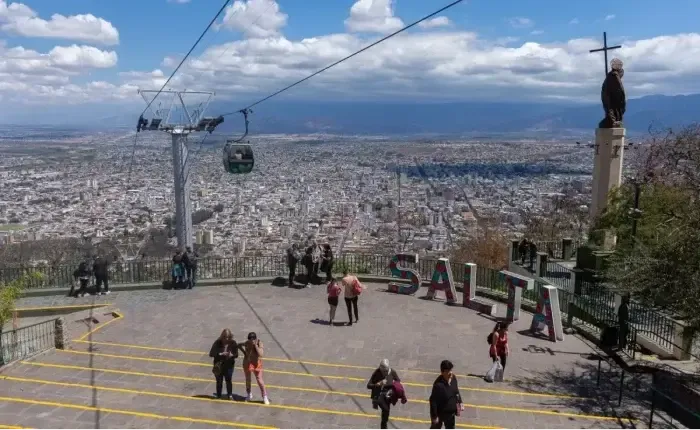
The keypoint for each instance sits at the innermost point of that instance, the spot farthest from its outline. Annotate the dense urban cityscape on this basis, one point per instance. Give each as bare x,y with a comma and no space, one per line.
357,193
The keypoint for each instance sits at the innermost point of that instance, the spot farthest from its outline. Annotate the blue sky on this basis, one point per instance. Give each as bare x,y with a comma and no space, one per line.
510,48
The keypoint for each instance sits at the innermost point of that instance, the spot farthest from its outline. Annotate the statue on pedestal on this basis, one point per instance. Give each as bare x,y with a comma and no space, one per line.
613,96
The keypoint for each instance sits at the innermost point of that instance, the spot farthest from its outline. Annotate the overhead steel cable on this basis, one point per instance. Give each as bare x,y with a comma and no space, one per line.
288,87
199,39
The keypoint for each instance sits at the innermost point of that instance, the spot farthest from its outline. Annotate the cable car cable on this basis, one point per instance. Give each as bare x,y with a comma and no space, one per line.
199,39
444,8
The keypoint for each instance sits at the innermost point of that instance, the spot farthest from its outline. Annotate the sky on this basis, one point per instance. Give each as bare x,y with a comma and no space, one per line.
84,53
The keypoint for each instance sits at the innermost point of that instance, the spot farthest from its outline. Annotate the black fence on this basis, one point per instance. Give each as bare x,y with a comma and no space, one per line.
27,341
594,307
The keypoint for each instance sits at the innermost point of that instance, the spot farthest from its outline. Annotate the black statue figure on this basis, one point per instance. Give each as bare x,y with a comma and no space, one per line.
613,96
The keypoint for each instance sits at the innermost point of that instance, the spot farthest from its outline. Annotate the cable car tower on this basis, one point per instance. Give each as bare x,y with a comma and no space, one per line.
179,127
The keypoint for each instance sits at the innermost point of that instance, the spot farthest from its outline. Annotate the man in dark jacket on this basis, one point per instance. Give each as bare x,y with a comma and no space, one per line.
82,274
381,381
191,261
445,400
292,260
101,269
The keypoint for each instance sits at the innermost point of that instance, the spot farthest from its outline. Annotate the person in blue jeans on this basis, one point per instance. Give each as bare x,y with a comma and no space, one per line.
224,351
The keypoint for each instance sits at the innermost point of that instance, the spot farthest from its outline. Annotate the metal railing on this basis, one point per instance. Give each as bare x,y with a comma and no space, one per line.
562,275
592,308
26,341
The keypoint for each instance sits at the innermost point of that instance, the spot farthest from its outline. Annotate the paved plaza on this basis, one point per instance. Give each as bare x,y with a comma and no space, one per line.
146,365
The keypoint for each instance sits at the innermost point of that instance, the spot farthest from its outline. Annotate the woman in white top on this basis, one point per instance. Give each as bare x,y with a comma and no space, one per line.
351,296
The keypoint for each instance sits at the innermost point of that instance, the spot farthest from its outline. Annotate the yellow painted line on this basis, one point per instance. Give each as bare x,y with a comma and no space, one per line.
132,413
101,326
3,426
56,308
196,363
347,378
280,360
313,390
202,399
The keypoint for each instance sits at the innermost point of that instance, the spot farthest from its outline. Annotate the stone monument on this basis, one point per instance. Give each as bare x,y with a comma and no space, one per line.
609,141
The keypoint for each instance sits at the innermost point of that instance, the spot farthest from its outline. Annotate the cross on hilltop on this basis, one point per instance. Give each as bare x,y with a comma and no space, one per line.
605,49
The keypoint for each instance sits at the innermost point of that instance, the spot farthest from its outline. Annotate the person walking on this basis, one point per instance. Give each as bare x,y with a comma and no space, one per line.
385,389
292,261
252,364
353,288
499,349
445,399
101,269
333,291
224,351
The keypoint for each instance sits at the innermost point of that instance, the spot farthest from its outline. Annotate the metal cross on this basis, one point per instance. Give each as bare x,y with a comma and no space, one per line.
605,49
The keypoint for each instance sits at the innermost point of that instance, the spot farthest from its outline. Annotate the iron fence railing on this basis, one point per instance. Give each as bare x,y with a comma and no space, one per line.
27,341
593,306
560,274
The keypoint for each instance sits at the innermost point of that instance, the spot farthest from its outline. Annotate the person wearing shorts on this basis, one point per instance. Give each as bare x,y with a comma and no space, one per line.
252,365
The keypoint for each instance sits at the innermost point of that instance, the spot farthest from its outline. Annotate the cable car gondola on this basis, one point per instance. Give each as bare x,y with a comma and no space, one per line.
238,157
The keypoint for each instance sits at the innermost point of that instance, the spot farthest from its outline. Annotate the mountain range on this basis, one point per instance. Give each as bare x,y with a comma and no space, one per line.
423,118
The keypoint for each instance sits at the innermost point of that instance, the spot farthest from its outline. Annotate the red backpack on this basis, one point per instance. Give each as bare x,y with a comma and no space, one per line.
357,287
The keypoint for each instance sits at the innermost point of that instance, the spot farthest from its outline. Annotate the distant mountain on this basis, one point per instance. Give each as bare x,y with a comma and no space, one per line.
416,118
451,118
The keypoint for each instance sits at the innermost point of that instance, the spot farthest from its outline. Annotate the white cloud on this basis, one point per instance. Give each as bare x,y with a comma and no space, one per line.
373,16
609,17
537,32
17,18
440,21
521,22
28,76
449,65
574,21
255,18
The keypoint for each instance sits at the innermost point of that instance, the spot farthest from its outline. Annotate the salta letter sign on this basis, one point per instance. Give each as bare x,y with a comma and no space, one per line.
403,273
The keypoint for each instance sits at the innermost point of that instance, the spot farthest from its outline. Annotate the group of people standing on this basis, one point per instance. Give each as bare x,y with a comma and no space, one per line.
315,258
98,266
445,399
352,289
185,268
225,351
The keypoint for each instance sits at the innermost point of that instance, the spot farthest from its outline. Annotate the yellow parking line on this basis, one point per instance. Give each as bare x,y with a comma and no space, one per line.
281,360
202,399
3,426
195,363
101,326
408,384
315,390
132,413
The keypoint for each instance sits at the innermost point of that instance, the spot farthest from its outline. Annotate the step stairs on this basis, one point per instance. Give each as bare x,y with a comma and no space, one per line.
108,385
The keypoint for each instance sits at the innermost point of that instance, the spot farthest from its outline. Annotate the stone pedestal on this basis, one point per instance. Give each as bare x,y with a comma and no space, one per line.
607,166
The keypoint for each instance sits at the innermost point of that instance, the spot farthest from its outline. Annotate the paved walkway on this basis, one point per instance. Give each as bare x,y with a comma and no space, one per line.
150,368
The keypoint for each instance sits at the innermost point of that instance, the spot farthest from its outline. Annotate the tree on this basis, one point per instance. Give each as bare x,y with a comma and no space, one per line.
564,217
488,249
660,265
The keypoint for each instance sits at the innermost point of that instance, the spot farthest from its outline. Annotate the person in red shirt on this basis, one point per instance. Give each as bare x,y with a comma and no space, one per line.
499,343
334,289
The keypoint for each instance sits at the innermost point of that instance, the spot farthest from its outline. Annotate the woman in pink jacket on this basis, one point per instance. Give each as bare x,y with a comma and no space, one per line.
333,291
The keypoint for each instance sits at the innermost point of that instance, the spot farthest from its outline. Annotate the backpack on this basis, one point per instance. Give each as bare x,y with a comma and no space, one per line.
489,338
357,287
